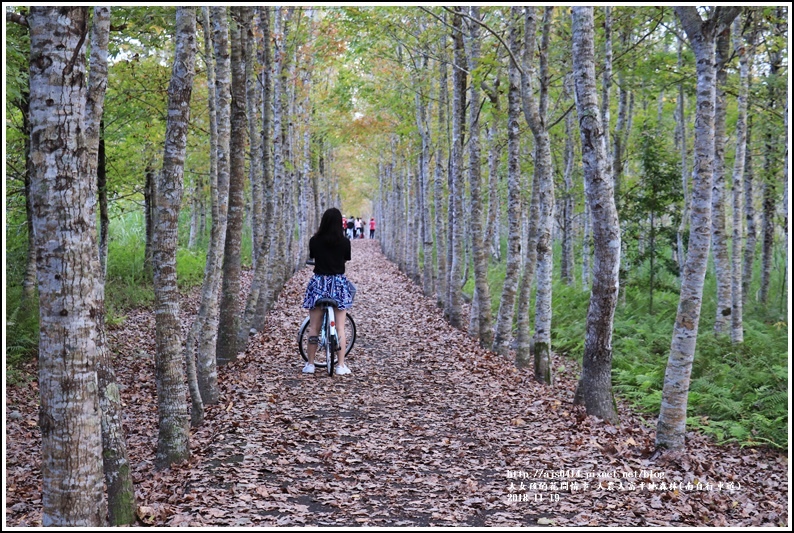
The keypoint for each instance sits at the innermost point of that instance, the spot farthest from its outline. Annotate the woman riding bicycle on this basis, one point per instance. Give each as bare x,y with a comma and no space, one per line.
330,249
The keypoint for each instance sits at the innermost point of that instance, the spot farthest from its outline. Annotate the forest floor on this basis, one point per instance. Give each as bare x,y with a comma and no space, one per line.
428,430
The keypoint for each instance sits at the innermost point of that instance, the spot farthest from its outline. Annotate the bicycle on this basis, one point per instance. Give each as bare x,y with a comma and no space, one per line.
328,342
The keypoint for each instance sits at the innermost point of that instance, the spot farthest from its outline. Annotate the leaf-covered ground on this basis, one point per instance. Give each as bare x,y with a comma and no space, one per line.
428,430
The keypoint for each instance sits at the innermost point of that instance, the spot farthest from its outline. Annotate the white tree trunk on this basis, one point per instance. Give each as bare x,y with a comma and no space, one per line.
479,250
173,443
719,238
672,415
595,385
504,321
745,58
455,298
64,221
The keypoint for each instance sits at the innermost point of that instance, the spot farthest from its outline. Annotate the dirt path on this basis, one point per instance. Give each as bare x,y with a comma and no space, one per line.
428,430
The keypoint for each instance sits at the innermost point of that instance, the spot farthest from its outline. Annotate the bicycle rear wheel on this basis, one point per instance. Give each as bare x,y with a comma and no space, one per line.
330,348
303,337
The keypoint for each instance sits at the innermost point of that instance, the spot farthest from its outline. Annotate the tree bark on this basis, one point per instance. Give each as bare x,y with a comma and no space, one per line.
229,321
149,207
253,96
595,385
568,205
118,476
438,189
70,299
535,114
719,240
256,318
769,185
455,295
173,442
479,250
751,233
737,298
206,362
682,146
672,415
504,320
493,225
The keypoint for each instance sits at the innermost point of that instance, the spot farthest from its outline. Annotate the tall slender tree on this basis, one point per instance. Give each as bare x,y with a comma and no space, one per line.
745,57
672,415
441,236
504,320
454,298
595,385
229,320
118,475
719,238
479,250
173,441
535,114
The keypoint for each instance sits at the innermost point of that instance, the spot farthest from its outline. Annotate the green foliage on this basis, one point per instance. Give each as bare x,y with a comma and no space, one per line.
21,332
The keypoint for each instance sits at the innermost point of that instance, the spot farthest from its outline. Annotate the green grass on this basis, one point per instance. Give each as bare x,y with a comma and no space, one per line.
127,286
738,393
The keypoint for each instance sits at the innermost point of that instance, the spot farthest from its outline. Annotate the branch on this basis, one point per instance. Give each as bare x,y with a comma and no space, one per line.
16,17
518,65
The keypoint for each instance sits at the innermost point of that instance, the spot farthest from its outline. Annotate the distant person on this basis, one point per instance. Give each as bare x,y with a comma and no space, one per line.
359,228
351,224
371,227
330,250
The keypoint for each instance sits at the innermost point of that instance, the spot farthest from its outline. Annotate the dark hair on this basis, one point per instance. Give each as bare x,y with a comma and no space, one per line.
330,229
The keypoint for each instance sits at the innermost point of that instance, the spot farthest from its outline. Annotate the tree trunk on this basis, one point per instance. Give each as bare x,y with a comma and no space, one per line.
29,299
493,225
70,297
455,295
719,241
751,240
535,114
253,96
479,250
769,186
198,326
206,367
567,258
149,207
174,436
672,415
595,385
504,321
426,233
785,197
438,190
102,192
118,477
229,322
278,243
682,146
737,298
256,321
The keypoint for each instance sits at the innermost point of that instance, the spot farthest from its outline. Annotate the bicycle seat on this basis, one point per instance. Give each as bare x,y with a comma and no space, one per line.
326,301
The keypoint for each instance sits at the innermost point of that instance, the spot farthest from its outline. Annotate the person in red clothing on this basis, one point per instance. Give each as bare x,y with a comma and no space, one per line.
371,227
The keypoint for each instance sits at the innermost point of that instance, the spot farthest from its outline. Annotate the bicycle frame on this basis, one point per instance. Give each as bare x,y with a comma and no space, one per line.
332,337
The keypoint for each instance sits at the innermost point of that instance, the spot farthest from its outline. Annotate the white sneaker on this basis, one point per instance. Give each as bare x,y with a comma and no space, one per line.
308,368
341,370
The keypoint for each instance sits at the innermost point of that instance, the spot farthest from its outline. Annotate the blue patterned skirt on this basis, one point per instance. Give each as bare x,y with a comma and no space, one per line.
336,287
